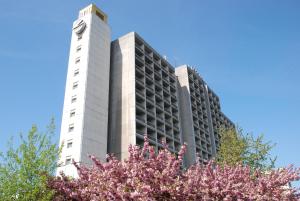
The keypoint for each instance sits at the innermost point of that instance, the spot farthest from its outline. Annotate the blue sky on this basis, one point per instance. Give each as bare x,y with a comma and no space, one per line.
247,51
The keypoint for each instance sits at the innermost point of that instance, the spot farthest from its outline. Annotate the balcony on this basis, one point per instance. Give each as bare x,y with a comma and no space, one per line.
140,128
158,92
149,75
173,95
149,81
195,114
148,56
140,92
171,70
173,88
151,134
161,129
159,105
166,89
156,60
160,135
174,103
167,106
158,83
150,100
148,61
169,133
139,47
176,137
140,59
140,81
194,105
151,123
168,122
165,70
157,75
175,116
176,129
140,119
151,112
149,68
172,77
140,105
177,146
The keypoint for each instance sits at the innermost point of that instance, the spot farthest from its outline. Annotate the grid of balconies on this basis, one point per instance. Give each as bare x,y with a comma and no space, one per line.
227,123
157,113
200,116
216,118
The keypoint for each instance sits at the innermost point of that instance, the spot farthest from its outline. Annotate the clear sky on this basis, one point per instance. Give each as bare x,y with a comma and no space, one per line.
247,51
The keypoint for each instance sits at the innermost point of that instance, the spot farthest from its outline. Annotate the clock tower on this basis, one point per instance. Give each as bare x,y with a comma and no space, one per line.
85,112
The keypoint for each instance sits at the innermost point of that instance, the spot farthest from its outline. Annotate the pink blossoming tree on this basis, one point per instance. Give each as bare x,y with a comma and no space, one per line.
147,176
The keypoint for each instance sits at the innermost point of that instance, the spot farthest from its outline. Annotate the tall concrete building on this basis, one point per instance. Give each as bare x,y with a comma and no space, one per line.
84,127
143,97
116,92
201,114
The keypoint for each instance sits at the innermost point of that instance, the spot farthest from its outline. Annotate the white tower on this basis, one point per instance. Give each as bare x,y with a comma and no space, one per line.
85,113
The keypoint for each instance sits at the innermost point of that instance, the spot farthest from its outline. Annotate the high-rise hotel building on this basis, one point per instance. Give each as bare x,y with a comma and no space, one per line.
118,91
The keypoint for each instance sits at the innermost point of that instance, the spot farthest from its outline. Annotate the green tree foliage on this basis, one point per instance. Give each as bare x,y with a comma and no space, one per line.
233,146
24,170
239,148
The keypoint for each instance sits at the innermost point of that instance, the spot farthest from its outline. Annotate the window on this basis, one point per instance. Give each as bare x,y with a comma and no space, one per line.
79,37
72,113
78,48
73,99
71,127
69,144
76,72
68,160
77,60
100,15
75,85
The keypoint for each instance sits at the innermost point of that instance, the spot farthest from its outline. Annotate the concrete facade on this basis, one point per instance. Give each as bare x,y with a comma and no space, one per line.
116,92
201,115
85,113
143,97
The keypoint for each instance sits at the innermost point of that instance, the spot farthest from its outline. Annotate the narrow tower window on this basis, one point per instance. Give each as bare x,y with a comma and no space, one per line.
76,72
73,99
71,127
75,85
69,144
77,60
78,48
68,160
72,113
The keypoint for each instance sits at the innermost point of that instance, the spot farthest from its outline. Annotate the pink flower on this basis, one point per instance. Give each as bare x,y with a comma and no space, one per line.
146,176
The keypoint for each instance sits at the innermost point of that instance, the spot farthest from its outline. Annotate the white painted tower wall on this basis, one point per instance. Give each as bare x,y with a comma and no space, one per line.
85,118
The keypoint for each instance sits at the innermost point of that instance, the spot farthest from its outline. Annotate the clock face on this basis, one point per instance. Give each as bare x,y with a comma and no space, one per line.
79,27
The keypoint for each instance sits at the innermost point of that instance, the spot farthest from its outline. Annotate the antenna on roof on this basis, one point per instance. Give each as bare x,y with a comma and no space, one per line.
194,69
175,61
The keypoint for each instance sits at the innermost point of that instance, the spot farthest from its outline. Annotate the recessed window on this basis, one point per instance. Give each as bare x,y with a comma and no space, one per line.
68,160
78,48
73,99
76,72
71,127
100,15
72,113
75,85
79,37
69,144
77,60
